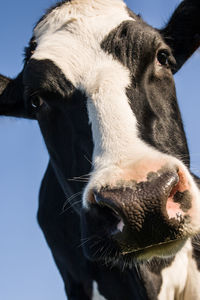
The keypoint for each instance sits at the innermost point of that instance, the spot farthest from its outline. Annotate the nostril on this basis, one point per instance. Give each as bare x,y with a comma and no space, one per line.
108,204
176,183
179,199
105,201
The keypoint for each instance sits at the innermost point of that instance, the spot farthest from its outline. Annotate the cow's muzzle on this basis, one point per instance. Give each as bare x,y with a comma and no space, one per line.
143,218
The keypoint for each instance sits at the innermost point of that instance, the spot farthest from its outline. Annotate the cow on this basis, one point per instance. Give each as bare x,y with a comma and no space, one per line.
118,205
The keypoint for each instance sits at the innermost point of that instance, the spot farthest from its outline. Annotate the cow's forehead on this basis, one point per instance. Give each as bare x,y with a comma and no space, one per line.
71,35
100,15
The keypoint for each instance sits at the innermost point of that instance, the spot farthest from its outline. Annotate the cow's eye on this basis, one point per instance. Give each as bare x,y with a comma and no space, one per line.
36,102
163,57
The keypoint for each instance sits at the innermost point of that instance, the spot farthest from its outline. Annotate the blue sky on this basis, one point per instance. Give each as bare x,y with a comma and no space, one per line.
27,270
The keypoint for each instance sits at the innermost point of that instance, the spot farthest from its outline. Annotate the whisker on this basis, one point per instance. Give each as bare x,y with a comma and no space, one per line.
81,178
88,160
71,204
85,241
71,198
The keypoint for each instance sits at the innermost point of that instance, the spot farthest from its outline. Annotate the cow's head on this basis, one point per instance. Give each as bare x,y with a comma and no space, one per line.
97,61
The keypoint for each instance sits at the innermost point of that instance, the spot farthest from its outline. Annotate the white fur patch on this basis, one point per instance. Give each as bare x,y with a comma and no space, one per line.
96,295
180,280
192,289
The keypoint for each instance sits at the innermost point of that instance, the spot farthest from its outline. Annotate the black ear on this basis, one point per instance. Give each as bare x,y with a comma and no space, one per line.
182,32
11,97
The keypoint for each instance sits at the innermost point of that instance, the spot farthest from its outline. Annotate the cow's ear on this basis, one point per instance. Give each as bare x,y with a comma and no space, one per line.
12,97
182,32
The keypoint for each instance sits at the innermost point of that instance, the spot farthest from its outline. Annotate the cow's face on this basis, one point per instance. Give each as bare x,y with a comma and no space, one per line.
140,200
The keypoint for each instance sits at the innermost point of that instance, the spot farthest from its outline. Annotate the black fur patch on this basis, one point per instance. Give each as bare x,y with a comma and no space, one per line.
125,43
44,77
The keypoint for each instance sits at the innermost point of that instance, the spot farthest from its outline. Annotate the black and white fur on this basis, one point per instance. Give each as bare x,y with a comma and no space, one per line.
93,80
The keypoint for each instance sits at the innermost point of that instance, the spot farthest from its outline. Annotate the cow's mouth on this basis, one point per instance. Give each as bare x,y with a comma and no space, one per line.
110,237
106,248
164,249
129,247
